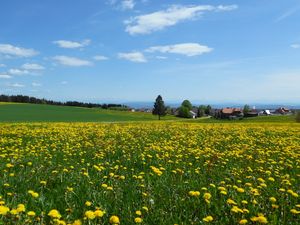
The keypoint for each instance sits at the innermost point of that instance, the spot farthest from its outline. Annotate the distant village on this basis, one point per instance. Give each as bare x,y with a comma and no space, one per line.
230,113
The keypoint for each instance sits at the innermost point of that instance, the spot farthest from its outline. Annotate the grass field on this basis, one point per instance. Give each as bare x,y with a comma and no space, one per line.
15,112
149,173
47,113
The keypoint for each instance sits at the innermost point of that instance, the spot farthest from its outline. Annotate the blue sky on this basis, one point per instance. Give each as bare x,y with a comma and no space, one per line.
132,50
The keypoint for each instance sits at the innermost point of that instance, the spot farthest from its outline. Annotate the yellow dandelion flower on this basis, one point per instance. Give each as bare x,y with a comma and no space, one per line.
243,221
54,213
208,219
31,213
114,220
138,220
90,215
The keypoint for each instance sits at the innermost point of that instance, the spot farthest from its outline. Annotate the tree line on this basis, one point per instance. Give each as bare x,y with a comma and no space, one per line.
183,111
34,100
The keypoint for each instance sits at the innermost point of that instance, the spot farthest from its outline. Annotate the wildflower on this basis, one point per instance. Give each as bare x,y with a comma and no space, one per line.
87,203
206,197
77,222
295,211
99,213
3,210
13,212
31,213
231,202
236,209
54,214
90,215
114,220
208,219
21,208
194,193
138,220
272,199
145,208
138,212
240,190
243,221
260,219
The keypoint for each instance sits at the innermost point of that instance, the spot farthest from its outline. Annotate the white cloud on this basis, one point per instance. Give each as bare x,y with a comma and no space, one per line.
2,65
133,57
71,61
18,72
16,85
122,4
5,76
187,49
34,84
72,44
295,46
64,82
161,57
11,50
148,23
127,4
32,66
100,58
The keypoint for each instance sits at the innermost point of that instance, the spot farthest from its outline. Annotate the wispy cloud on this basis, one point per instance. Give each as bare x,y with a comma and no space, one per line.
72,44
2,65
127,4
122,4
187,49
32,66
34,84
16,85
295,46
159,20
10,50
71,61
5,76
18,72
287,14
100,58
133,57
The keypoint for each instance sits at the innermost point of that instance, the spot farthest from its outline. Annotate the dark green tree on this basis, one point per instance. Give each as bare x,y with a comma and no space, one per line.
208,110
246,109
201,110
159,107
187,103
184,109
184,112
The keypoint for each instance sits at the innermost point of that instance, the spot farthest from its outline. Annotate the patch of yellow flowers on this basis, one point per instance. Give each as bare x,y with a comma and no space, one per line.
149,173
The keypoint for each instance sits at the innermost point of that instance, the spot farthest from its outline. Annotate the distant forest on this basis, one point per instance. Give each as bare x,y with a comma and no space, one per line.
34,100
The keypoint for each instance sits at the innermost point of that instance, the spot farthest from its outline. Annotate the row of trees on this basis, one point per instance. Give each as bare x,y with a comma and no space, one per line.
183,111
34,100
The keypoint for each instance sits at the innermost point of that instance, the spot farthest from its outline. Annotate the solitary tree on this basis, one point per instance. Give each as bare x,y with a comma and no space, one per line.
159,107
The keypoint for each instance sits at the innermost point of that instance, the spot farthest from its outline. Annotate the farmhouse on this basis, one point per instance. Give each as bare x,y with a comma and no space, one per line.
231,113
283,110
193,114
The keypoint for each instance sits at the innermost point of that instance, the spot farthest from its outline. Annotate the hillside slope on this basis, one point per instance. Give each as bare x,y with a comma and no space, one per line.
16,112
